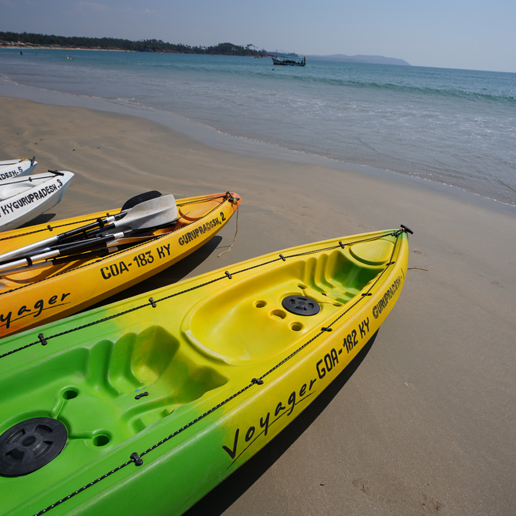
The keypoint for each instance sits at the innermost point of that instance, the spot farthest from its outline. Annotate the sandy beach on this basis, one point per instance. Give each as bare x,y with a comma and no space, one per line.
425,424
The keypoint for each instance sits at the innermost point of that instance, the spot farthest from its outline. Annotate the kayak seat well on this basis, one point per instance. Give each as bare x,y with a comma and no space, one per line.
97,392
249,322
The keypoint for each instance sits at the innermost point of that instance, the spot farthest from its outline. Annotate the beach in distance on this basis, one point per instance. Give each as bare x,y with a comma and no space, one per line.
424,423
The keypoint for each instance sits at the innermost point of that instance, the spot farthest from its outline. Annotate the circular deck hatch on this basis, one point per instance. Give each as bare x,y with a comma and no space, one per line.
301,305
30,445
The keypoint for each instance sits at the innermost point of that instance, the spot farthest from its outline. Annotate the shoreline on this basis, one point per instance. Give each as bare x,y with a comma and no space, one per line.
425,424
215,138
42,47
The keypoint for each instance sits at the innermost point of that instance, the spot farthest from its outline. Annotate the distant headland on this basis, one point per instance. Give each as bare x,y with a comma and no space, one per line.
363,59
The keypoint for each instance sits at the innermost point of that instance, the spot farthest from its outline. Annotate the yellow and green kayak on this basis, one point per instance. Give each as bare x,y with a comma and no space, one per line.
145,405
41,290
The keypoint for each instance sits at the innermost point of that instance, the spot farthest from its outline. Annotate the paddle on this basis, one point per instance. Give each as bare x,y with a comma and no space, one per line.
151,213
103,250
98,242
135,220
130,203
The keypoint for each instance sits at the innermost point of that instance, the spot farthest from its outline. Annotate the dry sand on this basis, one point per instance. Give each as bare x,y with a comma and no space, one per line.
426,424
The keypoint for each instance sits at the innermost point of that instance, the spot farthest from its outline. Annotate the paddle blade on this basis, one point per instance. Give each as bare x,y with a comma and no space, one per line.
152,213
138,199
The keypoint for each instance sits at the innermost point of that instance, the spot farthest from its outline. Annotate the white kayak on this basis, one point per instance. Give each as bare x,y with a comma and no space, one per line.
16,167
24,198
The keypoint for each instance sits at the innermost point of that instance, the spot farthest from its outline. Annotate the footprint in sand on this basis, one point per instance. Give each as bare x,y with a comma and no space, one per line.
391,492
431,506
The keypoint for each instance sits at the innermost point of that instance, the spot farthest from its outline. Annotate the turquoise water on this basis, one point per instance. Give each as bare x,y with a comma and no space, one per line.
456,127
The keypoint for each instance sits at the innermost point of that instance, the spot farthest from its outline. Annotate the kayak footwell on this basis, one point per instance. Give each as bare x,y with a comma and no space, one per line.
249,322
111,381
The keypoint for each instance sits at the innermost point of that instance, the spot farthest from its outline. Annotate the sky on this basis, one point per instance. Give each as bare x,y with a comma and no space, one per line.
467,34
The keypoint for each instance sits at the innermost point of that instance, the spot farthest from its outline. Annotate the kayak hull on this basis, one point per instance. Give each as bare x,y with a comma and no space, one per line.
24,198
16,167
158,409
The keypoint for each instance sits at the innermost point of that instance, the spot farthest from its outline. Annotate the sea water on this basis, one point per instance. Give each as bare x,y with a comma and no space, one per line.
456,127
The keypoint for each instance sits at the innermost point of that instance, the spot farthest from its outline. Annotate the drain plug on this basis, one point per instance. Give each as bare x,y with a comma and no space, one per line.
301,305
30,445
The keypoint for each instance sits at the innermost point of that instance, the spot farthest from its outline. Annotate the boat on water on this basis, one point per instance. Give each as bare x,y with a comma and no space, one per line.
289,61
45,276
145,405
23,198
16,167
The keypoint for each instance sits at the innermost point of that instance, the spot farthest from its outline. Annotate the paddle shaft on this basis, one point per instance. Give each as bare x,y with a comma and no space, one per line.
93,236
100,251
65,249
94,253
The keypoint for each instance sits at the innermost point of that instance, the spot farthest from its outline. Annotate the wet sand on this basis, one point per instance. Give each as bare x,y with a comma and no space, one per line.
426,422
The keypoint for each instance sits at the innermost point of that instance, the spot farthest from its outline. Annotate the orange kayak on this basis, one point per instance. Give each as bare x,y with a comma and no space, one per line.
41,291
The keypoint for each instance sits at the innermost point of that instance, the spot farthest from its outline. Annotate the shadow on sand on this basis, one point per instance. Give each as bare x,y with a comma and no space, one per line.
44,218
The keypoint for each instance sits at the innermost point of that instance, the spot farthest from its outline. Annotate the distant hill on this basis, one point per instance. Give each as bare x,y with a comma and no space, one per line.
362,59
148,45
